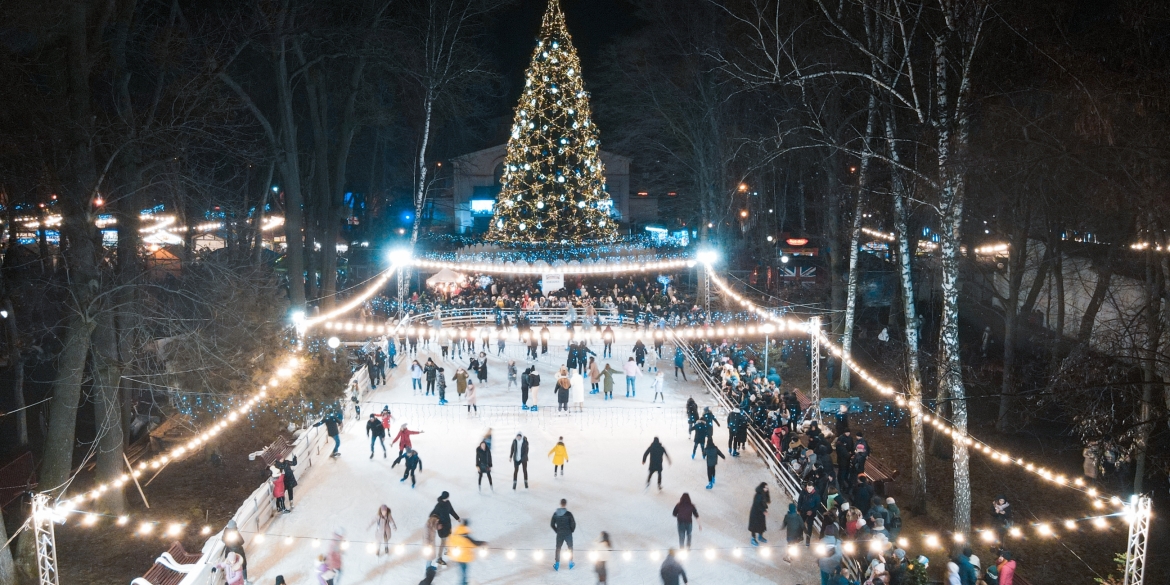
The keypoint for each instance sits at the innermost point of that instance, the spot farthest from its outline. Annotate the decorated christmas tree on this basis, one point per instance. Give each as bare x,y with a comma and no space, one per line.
553,188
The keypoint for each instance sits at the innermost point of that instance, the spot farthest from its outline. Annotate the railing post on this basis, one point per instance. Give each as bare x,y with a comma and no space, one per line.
814,329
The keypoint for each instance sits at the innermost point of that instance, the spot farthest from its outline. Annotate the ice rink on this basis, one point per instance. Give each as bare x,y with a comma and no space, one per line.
604,483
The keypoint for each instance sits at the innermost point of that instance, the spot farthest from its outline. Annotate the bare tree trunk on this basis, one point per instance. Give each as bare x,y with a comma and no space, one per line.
420,194
1149,364
7,567
855,239
258,221
910,316
1104,279
16,366
107,369
1017,262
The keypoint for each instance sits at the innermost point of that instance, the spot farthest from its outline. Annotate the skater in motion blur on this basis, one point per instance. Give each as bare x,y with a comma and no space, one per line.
655,453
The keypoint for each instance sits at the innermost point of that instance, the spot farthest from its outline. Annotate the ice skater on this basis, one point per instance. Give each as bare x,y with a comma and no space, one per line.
416,376
534,389
276,485
686,514
333,429
463,547
403,438
604,549
441,385
511,374
290,479
333,558
525,387
376,432
413,463
692,414
445,512
483,464
562,388
563,524
607,381
577,391
702,433
655,453
679,360
712,454
382,525
519,456
472,400
758,516
594,376
658,385
631,370
560,456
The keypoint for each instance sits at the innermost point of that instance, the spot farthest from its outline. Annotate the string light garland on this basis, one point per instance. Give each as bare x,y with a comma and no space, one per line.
559,332
553,187
601,267
878,234
939,423
286,370
303,323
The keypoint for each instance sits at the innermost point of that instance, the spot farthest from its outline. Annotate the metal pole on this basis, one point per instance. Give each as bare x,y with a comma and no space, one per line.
707,289
46,541
814,329
401,289
1139,533
766,356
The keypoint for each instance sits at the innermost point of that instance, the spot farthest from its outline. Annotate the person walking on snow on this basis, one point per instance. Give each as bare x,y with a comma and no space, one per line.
403,438
655,453
658,386
376,432
686,514
519,456
712,454
444,512
560,456
483,464
758,516
382,525
631,370
333,429
563,524
413,463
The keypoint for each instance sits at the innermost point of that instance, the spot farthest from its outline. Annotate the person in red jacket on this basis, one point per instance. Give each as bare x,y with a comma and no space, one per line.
278,489
403,438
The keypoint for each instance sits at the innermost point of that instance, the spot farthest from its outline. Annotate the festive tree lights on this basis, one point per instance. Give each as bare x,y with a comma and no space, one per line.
553,188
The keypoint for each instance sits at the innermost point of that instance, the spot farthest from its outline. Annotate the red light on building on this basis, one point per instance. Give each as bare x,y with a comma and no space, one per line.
796,241
672,194
643,193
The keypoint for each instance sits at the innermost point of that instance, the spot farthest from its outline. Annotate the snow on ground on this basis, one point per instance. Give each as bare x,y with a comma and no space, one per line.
604,483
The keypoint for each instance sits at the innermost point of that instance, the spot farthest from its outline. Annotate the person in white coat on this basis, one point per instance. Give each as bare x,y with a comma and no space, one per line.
659,387
577,391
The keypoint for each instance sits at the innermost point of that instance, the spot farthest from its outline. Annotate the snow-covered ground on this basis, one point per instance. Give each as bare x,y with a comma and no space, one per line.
604,483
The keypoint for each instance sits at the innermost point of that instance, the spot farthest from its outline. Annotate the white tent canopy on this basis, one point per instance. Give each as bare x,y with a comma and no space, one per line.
446,276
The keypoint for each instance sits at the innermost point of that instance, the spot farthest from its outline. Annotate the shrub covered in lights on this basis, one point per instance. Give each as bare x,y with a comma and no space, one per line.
553,187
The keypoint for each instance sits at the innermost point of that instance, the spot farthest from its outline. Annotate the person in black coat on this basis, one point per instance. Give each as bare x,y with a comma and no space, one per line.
758,517
483,464
655,452
524,386
333,429
518,454
290,478
692,414
444,512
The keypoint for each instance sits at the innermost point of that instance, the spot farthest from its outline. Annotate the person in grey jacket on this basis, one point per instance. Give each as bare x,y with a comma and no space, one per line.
671,571
829,563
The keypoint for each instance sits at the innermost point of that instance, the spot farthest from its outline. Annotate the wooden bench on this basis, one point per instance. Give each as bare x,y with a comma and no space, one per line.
161,574
134,451
277,451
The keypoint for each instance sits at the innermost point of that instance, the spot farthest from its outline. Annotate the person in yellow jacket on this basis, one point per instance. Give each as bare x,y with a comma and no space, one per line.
462,547
560,456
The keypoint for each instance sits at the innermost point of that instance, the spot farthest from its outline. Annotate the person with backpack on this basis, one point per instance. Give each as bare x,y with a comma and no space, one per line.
563,524
894,526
